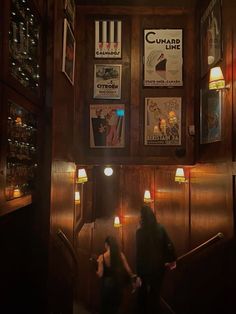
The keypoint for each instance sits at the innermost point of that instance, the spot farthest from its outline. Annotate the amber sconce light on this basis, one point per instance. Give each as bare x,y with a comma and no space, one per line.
180,176
216,79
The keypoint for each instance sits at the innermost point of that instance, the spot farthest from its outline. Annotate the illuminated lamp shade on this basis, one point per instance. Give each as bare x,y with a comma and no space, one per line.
179,175
216,79
147,196
108,171
16,193
77,197
117,223
82,176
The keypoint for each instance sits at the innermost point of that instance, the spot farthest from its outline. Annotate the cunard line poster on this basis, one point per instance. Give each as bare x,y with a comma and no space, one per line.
108,39
162,121
107,126
163,57
107,81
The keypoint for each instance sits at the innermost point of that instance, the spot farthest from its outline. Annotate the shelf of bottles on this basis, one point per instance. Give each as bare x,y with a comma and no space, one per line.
21,152
24,45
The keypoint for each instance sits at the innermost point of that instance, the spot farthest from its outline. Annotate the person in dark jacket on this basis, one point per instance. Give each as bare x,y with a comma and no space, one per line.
154,253
113,269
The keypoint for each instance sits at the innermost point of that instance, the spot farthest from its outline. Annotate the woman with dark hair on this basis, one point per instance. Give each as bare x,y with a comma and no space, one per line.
154,253
112,268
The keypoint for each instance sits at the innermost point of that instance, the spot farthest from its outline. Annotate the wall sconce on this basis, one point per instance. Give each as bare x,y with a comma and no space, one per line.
16,193
77,197
82,176
147,197
108,171
216,79
179,175
117,223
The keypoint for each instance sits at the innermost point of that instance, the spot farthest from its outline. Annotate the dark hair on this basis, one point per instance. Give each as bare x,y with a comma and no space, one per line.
148,218
149,223
115,253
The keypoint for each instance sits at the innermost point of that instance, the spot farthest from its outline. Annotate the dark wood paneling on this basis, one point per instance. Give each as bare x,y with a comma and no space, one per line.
211,202
163,3
61,264
62,198
167,154
2,173
132,10
62,101
234,80
104,155
134,21
172,206
222,150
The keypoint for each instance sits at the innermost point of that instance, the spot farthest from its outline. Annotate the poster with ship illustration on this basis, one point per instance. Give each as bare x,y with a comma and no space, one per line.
108,39
107,125
107,81
162,121
163,57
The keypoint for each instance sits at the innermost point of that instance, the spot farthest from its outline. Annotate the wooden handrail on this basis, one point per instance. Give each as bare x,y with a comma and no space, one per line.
217,237
67,243
207,243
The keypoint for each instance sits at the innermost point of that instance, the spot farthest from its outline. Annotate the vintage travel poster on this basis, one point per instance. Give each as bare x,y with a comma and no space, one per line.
108,39
107,126
107,81
163,57
210,119
162,121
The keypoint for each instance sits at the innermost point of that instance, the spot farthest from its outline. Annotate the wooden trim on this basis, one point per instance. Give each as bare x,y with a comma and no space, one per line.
131,10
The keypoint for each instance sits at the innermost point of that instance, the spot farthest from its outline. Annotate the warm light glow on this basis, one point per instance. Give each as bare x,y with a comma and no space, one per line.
216,79
82,176
108,171
77,197
117,222
179,175
147,196
16,193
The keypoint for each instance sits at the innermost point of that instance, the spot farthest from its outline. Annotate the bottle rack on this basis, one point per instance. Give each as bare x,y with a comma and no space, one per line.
24,50
21,151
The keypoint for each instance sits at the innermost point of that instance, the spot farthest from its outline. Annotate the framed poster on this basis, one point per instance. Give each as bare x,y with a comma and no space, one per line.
211,36
107,81
163,57
70,11
107,126
68,56
162,121
108,39
210,116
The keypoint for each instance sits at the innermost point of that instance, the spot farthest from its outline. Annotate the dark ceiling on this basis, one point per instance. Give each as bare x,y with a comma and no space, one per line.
158,3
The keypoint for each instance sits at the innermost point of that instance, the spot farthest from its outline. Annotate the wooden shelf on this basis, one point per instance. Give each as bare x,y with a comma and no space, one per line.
15,204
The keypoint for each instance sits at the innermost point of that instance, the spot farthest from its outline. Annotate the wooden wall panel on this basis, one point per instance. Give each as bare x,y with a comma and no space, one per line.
62,198
62,100
168,154
134,21
2,180
172,206
233,77
134,181
211,202
221,151
62,267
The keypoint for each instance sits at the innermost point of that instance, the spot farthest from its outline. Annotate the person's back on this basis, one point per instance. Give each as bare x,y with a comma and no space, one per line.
111,267
154,250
